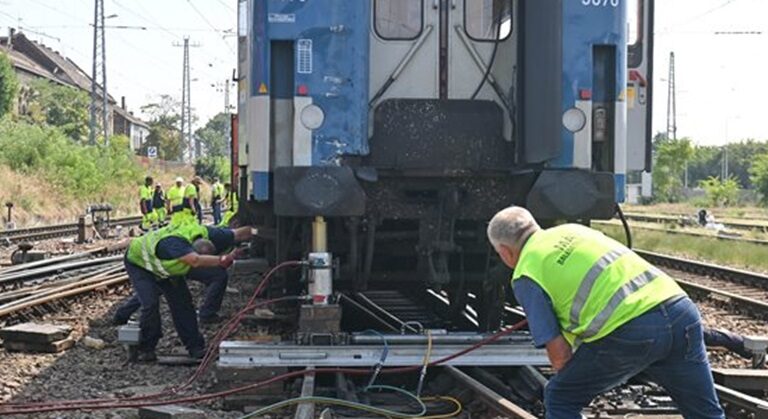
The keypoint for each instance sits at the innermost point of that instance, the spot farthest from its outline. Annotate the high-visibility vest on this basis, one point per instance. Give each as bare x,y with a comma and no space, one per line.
217,191
175,195
595,283
142,251
145,193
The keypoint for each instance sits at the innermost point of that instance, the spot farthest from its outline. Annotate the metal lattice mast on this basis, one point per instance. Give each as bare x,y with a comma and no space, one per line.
193,150
672,100
99,73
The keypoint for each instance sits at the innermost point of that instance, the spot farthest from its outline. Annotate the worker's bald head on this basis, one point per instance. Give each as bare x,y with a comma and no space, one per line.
204,247
511,227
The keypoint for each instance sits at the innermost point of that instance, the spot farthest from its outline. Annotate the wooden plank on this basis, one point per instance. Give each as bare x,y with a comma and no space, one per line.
49,347
35,333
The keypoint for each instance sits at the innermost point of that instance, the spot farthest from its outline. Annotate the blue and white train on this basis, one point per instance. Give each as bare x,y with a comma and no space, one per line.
407,124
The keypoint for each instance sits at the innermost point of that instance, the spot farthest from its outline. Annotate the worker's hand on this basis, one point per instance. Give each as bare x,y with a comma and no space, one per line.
225,261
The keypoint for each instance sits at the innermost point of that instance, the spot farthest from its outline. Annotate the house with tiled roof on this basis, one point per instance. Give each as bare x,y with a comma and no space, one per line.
33,60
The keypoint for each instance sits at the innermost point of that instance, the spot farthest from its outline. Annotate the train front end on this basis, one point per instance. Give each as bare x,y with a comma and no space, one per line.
406,124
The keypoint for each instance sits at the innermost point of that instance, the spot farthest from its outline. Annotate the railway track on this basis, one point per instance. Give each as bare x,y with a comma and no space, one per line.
9,237
730,224
744,289
28,287
717,236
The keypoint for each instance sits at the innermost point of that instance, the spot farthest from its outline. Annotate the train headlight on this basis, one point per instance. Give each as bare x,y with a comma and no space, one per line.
312,117
574,120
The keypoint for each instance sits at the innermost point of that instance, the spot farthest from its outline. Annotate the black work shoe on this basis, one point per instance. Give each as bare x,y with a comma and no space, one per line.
146,356
211,319
198,353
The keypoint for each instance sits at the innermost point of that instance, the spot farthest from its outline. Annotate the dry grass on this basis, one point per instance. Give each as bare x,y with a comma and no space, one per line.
747,256
36,202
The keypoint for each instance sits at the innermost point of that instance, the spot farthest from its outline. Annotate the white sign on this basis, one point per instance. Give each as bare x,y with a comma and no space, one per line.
152,152
281,18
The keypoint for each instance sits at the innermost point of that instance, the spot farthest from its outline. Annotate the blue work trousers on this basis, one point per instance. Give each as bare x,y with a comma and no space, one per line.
216,207
199,211
215,281
665,343
148,288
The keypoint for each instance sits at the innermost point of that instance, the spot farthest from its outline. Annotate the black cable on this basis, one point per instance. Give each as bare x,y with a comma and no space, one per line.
627,231
487,73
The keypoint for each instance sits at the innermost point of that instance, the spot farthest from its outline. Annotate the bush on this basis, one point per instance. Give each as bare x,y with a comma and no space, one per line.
81,170
721,193
9,85
59,106
213,167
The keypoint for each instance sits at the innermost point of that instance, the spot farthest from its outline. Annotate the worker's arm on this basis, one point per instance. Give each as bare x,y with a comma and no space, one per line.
542,321
196,260
559,352
243,233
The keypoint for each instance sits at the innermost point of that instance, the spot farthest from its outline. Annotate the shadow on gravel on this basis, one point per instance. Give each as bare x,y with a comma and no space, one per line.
87,373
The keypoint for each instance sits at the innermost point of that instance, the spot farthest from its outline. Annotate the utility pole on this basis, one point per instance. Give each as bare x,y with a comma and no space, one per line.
672,109
99,71
186,104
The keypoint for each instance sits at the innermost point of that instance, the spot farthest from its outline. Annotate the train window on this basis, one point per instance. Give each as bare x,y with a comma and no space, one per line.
634,20
398,19
483,17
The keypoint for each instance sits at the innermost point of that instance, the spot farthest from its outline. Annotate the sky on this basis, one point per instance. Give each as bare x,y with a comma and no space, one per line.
141,64
721,89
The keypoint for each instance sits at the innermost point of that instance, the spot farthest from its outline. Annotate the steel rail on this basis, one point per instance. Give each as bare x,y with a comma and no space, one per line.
661,218
731,275
53,269
56,230
686,233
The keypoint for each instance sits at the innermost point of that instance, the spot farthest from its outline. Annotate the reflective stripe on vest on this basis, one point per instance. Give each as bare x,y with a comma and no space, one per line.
625,291
589,281
143,250
595,283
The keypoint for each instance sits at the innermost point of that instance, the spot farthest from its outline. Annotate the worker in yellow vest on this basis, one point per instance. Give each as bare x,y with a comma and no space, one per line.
604,315
230,203
192,199
158,204
175,203
145,204
161,262
217,196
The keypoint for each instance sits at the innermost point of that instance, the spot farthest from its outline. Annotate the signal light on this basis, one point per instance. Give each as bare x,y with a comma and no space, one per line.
302,90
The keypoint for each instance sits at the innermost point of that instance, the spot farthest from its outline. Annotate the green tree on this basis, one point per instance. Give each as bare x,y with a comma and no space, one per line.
60,106
210,167
721,193
164,128
759,172
214,136
669,168
9,85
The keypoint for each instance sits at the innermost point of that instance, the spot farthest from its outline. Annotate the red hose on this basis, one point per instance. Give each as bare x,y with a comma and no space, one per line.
209,396
226,330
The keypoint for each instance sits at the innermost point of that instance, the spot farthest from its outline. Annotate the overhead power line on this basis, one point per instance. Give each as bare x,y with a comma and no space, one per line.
208,22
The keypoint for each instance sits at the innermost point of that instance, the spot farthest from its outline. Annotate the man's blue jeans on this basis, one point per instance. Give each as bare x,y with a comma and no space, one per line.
216,206
665,343
215,281
148,288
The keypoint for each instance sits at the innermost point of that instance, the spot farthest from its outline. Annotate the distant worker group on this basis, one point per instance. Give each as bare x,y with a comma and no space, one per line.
181,203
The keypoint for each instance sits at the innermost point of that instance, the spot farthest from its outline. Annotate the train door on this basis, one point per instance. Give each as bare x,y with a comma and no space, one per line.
480,33
404,50
441,49
639,84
